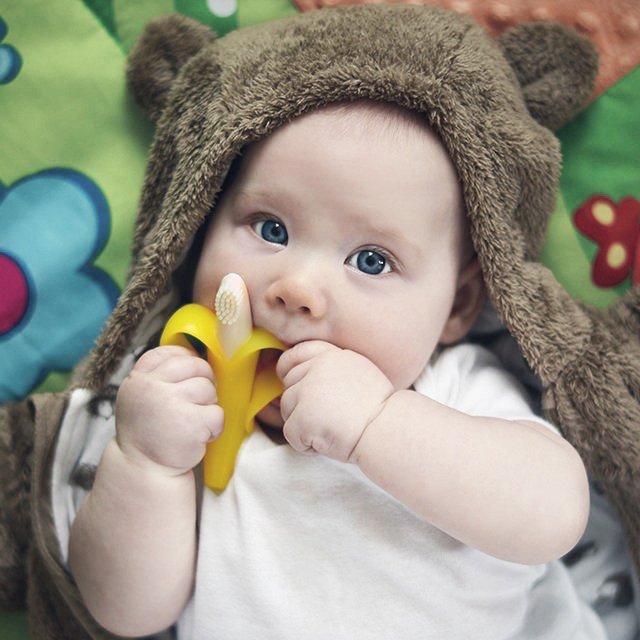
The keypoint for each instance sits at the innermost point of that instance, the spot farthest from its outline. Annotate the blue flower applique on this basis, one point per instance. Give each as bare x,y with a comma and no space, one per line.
53,300
10,60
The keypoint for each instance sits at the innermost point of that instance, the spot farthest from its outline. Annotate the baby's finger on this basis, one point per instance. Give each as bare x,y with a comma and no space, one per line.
153,358
293,435
212,416
182,366
288,402
202,424
297,373
299,353
198,390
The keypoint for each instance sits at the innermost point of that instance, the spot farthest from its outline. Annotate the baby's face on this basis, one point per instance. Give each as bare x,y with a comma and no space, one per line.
343,234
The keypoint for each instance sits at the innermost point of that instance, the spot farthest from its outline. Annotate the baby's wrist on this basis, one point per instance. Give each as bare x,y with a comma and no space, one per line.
137,460
372,433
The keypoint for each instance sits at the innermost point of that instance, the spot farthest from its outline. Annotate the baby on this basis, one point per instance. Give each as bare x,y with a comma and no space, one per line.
435,502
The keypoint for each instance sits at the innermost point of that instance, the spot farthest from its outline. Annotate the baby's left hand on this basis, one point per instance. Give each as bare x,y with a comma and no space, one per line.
330,397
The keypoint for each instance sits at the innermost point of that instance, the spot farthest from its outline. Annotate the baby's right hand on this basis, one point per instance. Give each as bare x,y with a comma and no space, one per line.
166,410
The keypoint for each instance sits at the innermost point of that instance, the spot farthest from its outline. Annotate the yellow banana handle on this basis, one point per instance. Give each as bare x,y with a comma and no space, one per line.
241,393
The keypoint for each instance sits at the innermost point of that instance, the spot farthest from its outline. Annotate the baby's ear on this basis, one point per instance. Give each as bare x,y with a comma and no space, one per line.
467,304
556,68
163,48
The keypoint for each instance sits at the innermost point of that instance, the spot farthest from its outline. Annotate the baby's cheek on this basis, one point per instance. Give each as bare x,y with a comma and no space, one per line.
406,364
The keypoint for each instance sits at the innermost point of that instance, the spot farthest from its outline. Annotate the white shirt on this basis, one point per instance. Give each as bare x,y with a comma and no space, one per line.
307,548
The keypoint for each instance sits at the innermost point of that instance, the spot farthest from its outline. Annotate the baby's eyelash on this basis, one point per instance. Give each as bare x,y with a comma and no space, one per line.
389,258
259,216
253,219
385,253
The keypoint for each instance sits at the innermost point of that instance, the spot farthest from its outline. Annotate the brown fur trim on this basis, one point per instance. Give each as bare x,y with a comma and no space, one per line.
596,399
16,453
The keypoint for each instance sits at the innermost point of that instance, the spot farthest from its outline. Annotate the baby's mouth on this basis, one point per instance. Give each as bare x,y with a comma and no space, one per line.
270,415
268,359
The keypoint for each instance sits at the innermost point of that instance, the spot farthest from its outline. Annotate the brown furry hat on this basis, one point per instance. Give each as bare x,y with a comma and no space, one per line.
493,104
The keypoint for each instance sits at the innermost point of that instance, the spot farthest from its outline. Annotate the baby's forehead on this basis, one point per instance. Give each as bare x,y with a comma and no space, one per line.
364,121
374,115
373,119
371,127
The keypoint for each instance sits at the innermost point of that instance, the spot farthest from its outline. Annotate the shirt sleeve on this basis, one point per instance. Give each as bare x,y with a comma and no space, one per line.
469,378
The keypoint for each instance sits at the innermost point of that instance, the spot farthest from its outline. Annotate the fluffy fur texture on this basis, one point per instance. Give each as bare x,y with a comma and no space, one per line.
487,100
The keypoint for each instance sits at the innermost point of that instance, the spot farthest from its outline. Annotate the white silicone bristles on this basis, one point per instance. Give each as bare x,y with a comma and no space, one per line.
229,298
233,310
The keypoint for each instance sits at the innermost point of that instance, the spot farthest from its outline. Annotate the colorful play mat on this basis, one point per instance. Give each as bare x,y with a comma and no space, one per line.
74,148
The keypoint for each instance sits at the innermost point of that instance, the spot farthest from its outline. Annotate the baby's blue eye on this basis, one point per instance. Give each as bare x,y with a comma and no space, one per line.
271,231
371,262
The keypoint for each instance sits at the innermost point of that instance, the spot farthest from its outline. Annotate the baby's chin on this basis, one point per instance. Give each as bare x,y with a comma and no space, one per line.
270,416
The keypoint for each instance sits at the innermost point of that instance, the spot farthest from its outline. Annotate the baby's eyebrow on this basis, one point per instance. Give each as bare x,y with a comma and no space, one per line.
394,238
255,197
242,193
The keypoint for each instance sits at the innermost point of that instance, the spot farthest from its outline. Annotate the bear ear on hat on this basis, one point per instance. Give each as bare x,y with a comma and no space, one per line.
164,46
555,66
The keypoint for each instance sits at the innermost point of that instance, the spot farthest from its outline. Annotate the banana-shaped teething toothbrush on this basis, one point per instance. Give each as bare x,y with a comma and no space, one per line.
233,347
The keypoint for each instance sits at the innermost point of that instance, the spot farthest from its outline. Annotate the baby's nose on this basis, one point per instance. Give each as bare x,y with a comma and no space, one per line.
299,294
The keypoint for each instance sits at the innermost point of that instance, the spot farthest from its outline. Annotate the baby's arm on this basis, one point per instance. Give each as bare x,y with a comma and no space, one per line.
133,543
514,490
